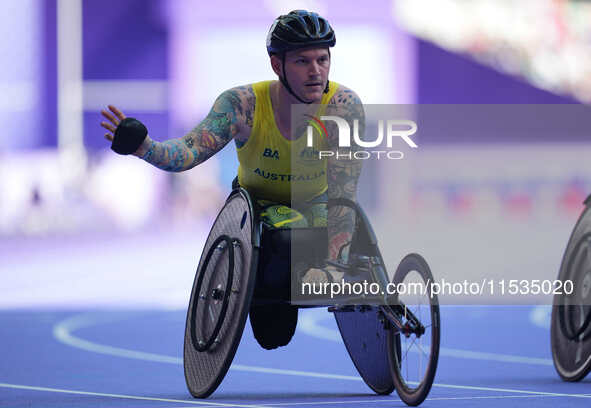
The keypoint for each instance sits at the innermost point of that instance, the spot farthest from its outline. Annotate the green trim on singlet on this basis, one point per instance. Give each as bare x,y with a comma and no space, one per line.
277,216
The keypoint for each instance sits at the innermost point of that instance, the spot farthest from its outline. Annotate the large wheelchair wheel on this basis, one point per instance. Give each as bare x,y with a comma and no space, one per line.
414,347
570,330
221,296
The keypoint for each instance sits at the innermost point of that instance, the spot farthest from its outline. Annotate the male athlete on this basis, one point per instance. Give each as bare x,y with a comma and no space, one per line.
258,117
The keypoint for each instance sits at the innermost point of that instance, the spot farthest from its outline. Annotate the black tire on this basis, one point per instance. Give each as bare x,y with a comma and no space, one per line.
413,391
221,296
203,335
570,331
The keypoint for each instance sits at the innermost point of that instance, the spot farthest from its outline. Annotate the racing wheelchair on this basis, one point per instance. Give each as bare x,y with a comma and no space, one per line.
393,339
570,330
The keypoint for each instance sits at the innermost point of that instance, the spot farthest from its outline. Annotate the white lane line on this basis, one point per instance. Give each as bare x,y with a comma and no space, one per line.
133,397
309,374
477,388
493,397
501,358
62,332
390,400
309,323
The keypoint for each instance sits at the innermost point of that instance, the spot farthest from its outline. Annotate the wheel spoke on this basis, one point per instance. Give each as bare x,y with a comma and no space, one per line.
422,350
408,348
210,312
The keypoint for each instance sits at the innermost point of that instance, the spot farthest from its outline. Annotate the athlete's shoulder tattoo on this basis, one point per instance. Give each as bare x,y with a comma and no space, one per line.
347,105
226,120
343,170
245,100
345,96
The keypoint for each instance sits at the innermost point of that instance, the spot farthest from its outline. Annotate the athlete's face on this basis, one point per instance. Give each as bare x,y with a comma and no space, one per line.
307,72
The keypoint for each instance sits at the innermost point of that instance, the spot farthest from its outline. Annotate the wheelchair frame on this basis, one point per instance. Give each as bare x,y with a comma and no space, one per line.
387,316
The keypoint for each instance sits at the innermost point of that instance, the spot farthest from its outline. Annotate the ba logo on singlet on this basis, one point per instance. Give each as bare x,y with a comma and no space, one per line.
273,154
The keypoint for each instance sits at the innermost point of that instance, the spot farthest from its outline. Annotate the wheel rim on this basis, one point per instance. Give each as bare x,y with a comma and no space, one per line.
415,351
214,297
574,309
571,316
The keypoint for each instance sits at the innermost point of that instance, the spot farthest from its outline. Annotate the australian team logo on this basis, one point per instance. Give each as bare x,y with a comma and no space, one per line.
271,154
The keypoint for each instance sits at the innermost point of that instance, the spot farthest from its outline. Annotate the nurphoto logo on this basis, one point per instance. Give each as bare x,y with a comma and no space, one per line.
387,129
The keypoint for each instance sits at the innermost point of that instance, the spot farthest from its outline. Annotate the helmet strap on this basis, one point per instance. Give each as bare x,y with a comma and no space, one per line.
327,81
283,80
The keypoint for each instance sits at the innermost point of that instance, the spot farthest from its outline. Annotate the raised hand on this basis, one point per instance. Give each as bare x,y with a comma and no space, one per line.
125,134
113,117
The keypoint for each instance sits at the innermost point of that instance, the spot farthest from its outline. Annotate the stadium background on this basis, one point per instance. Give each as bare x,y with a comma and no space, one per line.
165,62
85,230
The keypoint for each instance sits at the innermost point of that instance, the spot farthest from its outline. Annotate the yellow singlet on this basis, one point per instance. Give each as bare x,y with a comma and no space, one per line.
266,169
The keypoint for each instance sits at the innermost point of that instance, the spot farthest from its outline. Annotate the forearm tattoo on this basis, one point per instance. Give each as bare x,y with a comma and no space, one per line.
221,125
342,175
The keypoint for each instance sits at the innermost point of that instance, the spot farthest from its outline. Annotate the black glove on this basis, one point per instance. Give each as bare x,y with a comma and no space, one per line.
129,136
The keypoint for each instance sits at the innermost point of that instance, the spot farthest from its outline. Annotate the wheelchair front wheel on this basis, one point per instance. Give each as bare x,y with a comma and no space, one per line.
570,329
414,347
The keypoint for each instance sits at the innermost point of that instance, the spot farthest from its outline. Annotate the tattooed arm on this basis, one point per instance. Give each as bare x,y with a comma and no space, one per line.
228,117
343,173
